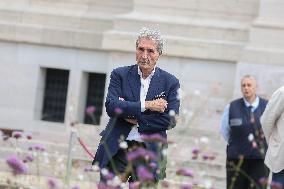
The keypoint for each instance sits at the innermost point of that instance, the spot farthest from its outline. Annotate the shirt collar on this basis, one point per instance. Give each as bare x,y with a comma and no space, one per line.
254,104
150,76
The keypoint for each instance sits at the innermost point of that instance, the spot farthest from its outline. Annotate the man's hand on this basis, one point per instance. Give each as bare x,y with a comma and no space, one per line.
133,121
158,105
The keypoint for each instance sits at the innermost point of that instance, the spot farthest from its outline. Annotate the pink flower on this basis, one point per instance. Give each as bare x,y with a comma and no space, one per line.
275,185
194,156
186,186
263,180
17,165
144,174
140,153
29,158
17,134
102,185
29,136
52,184
134,185
118,111
254,144
88,169
37,147
185,172
75,187
205,156
195,151
90,110
165,184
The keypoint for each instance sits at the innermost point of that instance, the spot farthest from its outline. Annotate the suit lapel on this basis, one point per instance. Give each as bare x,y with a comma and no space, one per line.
134,82
154,85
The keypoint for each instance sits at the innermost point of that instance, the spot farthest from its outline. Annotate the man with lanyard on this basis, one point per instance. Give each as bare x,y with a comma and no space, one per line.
246,145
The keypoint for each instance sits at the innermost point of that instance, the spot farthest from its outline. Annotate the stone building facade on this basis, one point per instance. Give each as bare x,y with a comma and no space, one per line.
67,46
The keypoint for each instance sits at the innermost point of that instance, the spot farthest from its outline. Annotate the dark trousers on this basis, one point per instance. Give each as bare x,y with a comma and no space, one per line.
120,163
279,178
245,173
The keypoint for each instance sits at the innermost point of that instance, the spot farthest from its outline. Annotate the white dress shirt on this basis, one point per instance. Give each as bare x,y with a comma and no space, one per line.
145,83
225,127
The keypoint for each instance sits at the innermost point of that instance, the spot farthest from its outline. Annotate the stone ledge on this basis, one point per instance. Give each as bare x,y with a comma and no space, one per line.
34,34
178,46
220,9
187,27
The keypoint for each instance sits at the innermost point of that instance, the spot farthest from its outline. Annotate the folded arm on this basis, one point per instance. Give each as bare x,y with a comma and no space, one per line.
161,120
114,104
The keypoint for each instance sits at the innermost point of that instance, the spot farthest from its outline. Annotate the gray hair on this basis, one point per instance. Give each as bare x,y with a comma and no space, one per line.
152,34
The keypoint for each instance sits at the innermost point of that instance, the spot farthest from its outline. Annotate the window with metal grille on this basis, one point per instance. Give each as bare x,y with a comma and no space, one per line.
55,93
95,97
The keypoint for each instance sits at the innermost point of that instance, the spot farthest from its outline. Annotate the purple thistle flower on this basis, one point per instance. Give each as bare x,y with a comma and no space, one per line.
144,174
17,165
205,157
29,158
17,134
134,185
194,157
165,184
37,147
153,165
88,169
52,184
29,136
275,185
195,151
186,186
185,172
75,187
90,110
118,111
102,185
140,153
109,176
212,157
154,138
263,180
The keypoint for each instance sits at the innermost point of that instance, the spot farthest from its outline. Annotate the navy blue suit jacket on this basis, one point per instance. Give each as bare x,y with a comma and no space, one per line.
125,83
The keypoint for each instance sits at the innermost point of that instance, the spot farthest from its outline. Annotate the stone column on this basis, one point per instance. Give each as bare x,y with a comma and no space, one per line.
264,54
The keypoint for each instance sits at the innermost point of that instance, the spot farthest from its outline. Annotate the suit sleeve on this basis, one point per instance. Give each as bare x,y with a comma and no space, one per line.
155,121
113,104
273,111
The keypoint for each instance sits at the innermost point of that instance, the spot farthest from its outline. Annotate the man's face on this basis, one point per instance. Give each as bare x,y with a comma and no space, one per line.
248,87
146,54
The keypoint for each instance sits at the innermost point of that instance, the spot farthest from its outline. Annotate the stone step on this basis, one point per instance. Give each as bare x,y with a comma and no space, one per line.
50,36
179,46
189,27
219,9
42,16
110,6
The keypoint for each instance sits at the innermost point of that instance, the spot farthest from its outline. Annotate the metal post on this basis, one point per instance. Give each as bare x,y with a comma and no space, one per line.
72,138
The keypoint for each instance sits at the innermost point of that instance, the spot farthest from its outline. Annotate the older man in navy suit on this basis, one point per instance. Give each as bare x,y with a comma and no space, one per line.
142,100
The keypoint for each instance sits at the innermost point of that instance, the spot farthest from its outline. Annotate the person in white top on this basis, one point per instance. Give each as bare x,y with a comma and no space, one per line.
272,122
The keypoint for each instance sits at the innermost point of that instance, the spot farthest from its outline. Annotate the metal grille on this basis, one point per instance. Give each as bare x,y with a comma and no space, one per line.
55,93
95,96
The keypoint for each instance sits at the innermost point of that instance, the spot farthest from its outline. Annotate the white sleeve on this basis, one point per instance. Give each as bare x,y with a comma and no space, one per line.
225,128
272,112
